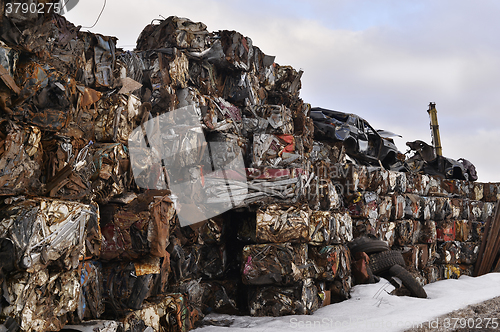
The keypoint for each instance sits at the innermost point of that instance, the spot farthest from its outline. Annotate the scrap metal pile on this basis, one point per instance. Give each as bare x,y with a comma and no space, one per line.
148,188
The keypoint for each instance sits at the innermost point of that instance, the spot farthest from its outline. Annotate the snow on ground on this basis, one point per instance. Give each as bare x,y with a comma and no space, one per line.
372,309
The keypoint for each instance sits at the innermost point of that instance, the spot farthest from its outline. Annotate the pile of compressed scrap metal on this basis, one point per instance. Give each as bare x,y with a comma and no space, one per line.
115,208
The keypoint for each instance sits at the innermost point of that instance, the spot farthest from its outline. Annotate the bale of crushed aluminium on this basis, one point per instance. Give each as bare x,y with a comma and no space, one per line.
386,232
280,301
267,119
278,151
111,176
449,271
446,230
468,252
170,312
20,159
364,206
330,228
139,228
218,296
127,285
384,208
207,261
412,206
331,262
405,232
340,289
281,223
427,232
90,304
40,232
448,253
432,273
477,230
463,231
274,263
39,301
416,256
443,208
175,32
398,207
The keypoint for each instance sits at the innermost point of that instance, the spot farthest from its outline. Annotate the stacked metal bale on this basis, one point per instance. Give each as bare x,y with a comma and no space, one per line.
437,223
87,240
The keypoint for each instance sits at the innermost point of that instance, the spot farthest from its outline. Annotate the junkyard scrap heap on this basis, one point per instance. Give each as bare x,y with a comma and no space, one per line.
88,223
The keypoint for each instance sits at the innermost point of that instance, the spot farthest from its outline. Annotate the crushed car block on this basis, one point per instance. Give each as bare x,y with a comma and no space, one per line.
20,159
46,232
278,264
279,301
276,223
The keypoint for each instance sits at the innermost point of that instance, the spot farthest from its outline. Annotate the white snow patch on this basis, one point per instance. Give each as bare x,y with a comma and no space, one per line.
372,308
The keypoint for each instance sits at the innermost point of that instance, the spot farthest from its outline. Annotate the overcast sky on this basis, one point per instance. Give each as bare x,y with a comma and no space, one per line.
383,60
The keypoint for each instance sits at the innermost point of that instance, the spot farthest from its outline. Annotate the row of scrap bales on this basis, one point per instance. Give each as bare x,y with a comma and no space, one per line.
90,230
438,224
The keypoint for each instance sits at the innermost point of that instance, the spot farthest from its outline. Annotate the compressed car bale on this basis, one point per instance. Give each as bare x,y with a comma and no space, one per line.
448,253
331,261
405,230
281,223
46,232
20,159
279,301
274,264
446,230
364,205
386,232
39,301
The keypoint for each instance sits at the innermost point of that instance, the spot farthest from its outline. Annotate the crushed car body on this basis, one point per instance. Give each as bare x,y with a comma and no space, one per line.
362,143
